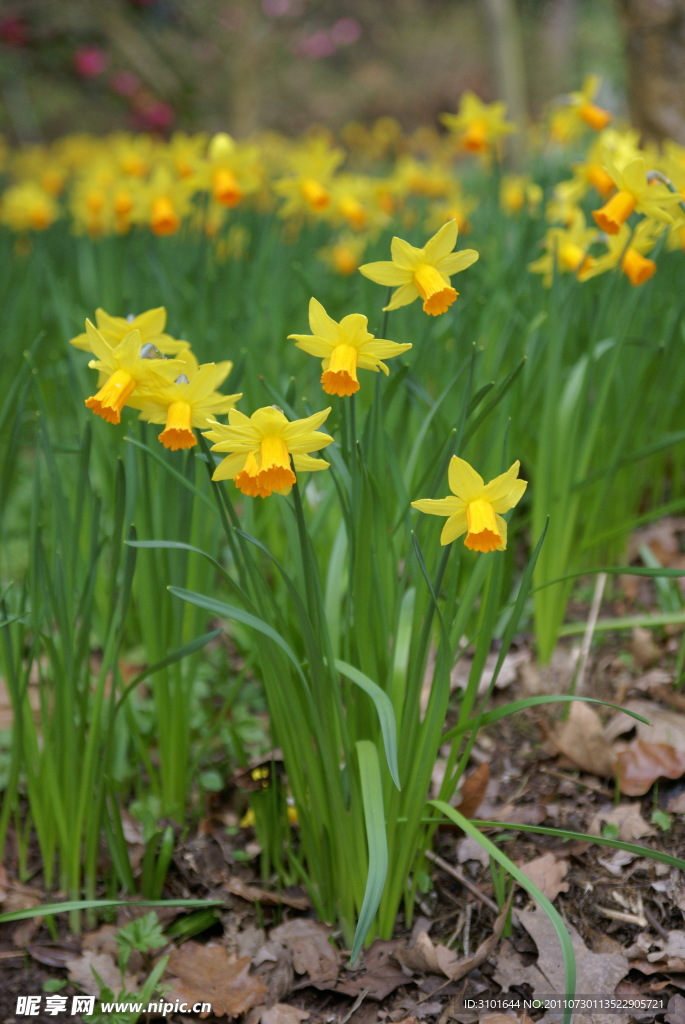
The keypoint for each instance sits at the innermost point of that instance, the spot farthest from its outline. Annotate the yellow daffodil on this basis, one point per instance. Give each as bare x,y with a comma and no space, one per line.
627,250
262,446
478,125
423,273
636,192
475,508
151,325
28,207
566,251
588,111
126,369
344,347
187,402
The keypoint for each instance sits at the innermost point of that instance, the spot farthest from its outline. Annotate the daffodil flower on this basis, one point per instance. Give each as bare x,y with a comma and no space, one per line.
344,347
479,125
262,446
151,325
635,192
588,111
186,403
423,273
475,508
125,368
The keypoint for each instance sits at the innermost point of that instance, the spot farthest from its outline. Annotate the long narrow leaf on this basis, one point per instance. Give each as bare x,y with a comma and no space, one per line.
384,709
374,818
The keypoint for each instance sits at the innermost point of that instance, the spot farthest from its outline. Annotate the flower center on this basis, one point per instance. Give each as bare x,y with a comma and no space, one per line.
483,532
475,138
437,296
615,212
340,378
274,473
572,257
601,180
227,191
112,396
163,218
315,194
637,267
594,116
178,431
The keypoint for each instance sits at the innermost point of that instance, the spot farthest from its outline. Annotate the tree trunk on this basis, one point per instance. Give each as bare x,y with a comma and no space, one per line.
655,45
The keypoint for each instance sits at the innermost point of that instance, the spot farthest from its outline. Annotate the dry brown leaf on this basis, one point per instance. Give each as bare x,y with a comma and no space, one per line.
312,953
424,955
504,1018
642,763
548,874
627,819
210,974
600,972
470,849
273,962
282,1013
81,968
665,726
378,975
254,894
473,790
642,646
676,1010
582,740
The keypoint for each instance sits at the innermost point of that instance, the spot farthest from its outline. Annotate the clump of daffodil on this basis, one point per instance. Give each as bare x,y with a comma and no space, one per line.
266,448
306,189
125,368
636,191
478,126
423,273
150,324
345,253
28,207
475,508
187,402
566,251
343,348
232,170
627,250
518,191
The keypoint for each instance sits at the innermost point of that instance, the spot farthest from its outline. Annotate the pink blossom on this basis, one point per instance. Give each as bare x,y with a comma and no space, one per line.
317,45
346,31
13,31
90,61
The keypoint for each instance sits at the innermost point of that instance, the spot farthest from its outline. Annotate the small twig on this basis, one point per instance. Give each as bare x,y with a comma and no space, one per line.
589,632
621,915
355,1005
594,787
655,924
456,873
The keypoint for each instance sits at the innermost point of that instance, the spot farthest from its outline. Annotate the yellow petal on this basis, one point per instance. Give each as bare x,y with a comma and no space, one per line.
442,242
321,323
385,272
500,487
464,481
402,297
449,506
453,528
455,262
405,255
